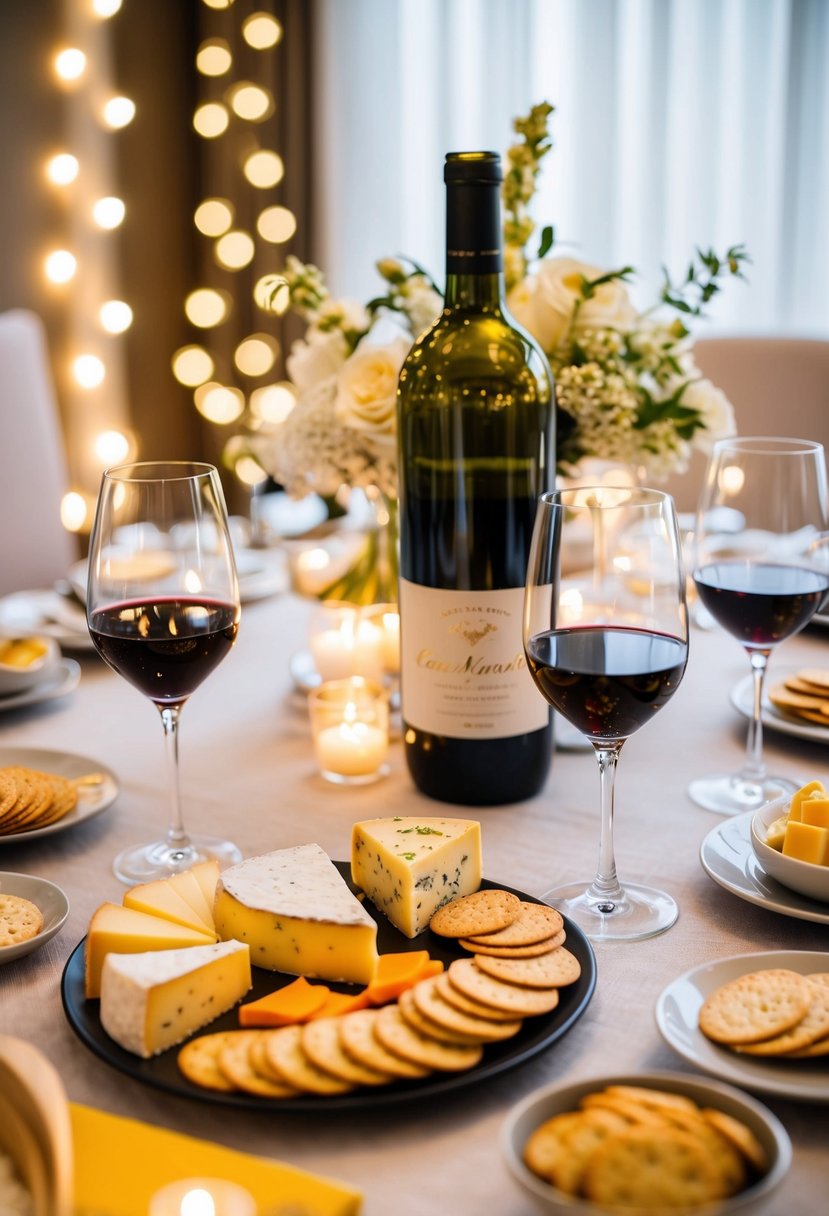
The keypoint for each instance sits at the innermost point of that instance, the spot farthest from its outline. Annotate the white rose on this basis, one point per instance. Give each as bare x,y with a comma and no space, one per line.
367,389
545,302
318,358
423,305
715,410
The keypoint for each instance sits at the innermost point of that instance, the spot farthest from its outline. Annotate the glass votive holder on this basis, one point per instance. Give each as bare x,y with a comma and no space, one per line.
386,618
344,643
202,1197
350,730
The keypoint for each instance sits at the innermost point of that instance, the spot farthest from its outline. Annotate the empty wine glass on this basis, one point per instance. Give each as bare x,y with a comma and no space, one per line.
162,607
606,640
761,572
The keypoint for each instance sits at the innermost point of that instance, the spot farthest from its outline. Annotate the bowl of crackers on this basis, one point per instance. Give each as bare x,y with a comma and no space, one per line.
790,839
25,661
32,911
641,1143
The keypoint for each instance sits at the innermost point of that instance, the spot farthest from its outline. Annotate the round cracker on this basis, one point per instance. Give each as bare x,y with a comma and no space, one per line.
534,923
322,1044
557,969
533,951
471,915
755,1006
467,977
437,1011
237,1062
21,920
816,676
401,1039
458,1000
360,1042
648,1167
419,1022
289,1060
814,1025
198,1060
741,1136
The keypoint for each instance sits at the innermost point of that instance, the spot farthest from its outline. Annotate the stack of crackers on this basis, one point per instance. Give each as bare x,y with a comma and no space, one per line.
635,1148
773,1013
30,799
804,695
441,1024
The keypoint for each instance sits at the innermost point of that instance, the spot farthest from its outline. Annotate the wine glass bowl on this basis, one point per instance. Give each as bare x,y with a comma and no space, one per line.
162,607
607,645
761,570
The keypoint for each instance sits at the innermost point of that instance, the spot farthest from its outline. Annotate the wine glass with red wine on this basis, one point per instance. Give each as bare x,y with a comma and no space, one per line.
762,574
162,606
606,640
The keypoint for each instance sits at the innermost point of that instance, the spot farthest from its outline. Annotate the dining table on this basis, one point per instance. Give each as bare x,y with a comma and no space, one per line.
248,771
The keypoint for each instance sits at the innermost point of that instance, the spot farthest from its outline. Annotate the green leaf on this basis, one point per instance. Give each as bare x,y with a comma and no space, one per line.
547,240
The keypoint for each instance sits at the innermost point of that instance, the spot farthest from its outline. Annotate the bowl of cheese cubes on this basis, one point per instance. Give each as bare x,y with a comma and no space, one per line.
25,661
790,838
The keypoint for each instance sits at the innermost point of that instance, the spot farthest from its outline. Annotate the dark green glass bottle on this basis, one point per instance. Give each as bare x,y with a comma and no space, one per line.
476,434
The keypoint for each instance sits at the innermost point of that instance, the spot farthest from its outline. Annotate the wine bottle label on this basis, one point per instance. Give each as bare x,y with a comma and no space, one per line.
463,671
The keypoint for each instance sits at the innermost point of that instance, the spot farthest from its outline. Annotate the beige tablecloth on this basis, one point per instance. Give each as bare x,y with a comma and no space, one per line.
247,770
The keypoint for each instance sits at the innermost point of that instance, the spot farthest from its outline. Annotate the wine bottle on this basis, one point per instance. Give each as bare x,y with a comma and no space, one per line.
476,440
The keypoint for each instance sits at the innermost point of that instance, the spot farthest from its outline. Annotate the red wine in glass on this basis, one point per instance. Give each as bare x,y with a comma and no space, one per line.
761,604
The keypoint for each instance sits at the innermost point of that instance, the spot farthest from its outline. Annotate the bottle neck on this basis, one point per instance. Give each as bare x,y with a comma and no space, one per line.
476,291
474,274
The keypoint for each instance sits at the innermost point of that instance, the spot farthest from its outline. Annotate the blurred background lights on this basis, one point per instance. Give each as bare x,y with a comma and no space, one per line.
118,112
276,224
264,169
89,371
112,447
272,296
261,30
192,365
272,403
235,249
70,64
220,404
249,471
213,58
218,3
211,120
109,212
60,266
106,8
63,168
115,316
73,511
205,307
256,355
251,102
213,217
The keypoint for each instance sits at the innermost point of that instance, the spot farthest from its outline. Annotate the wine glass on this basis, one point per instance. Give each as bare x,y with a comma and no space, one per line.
606,640
162,607
761,572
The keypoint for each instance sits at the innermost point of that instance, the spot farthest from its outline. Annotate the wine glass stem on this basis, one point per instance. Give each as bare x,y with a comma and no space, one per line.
177,838
754,770
605,886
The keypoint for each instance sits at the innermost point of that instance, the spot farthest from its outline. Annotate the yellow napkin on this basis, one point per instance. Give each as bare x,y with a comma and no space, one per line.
120,1163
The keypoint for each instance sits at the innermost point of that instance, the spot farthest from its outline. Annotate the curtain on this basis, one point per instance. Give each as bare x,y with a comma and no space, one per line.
678,124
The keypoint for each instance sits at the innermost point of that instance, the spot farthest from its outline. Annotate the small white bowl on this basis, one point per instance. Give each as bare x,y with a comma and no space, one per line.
45,895
802,876
554,1099
16,678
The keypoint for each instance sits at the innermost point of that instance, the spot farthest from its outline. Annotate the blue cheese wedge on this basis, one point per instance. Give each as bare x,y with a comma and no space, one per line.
151,1001
410,867
297,914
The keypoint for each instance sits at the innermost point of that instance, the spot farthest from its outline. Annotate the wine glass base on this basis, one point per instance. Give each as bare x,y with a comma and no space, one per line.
730,795
147,862
641,912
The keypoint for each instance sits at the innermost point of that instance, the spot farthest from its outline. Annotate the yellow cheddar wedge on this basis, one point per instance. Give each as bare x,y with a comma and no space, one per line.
807,843
206,874
118,930
410,867
815,811
811,789
161,899
151,1001
189,888
298,915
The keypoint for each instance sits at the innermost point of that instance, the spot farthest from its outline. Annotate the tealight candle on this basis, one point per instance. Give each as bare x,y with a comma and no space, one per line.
386,618
202,1197
343,644
350,727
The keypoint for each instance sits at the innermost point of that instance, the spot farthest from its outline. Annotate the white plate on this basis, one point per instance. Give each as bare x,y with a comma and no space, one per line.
677,1016
52,903
741,699
48,613
727,857
262,573
62,679
92,799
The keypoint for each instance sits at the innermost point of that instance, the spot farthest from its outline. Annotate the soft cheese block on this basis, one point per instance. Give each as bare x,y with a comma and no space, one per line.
118,930
409,867
297,914
151,1001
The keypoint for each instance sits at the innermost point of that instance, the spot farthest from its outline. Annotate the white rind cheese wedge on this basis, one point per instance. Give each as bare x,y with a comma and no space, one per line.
297,914
410,867
117,930
152,1001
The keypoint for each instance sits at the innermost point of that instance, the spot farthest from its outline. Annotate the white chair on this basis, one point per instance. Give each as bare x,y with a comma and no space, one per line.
778,386
35,548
